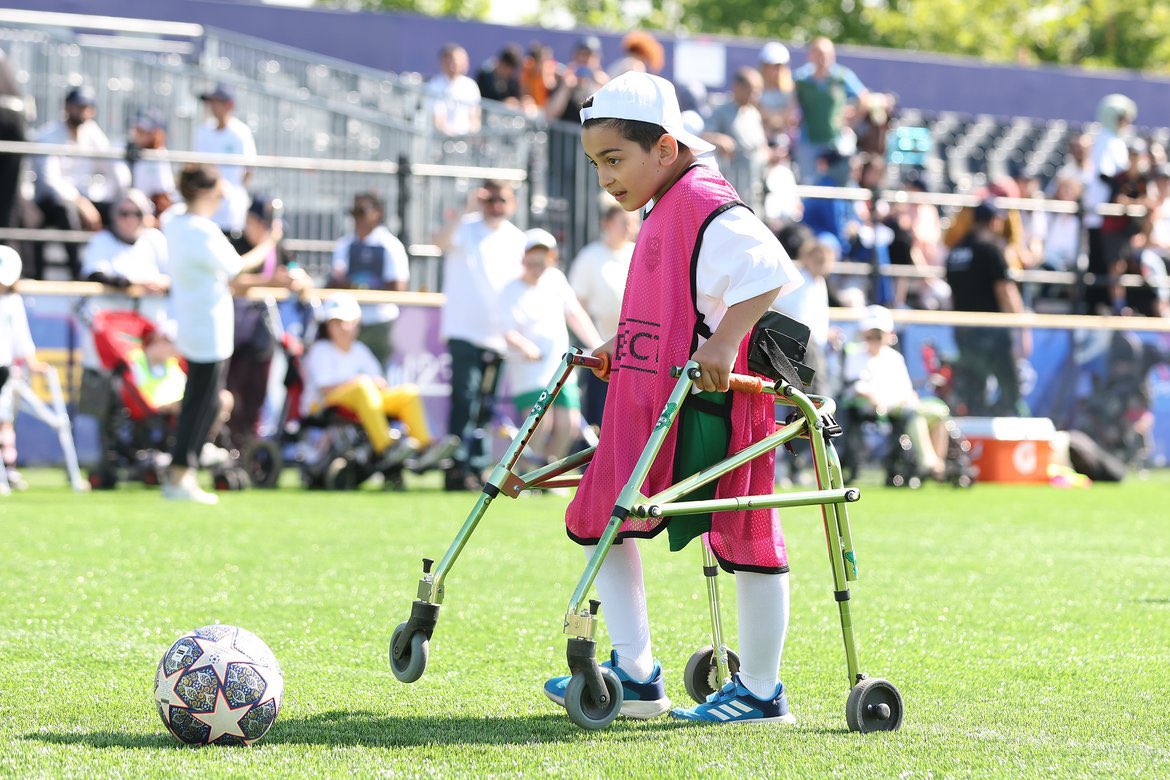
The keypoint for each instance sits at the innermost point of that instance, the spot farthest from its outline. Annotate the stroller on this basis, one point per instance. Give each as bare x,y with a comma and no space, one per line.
134,437
594,694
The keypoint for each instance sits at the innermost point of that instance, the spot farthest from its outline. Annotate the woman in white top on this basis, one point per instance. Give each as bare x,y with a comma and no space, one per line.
202,264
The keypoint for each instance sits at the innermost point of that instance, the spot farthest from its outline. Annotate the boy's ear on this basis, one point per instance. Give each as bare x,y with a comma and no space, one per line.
667,149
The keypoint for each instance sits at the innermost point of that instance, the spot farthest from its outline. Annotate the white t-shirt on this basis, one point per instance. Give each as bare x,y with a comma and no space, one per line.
234,138
15,338
202,263
61,178
326,365
143,261
153,177
479,262
537,312
808,303
884,376
1109,157
598,277
456,101
738,260
395,268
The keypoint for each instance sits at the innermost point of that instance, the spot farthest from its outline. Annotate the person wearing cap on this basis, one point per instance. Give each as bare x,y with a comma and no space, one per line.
156,178
225,133
202,262
828,94
977,273
371,258
1108,164
482,252
598,277
777,102
16,345
877,383
736,128
704,270
535,309
455,97
75,193
340,371
579,79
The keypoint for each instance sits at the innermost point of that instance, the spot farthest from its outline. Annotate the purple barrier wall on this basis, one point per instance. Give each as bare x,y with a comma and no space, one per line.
401,42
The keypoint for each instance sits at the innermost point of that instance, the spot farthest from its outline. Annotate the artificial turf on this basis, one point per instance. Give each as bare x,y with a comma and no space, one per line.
1026,627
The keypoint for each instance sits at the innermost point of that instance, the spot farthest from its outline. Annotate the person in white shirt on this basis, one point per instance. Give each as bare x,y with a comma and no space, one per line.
371,258
455,96
202,264
155,178
1109,160
878,383
598,277
224,133
482,253
342,372
815,256
536,307
73,193
737,130
16,343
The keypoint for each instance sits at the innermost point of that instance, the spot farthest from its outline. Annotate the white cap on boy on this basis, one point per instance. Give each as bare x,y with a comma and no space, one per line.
537,237
341,307
644,97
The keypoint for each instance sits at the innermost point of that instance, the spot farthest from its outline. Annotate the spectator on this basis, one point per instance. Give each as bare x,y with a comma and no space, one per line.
75,193
539,76
340,371
1160,192
455,97
1152,297
1062,240
581,77
643,53
781,201
830,215
371,258
202,263
128,252
815,257
778,98
977,273
535,308
153,177
255,336
499,78
737,131
598,277
828,95
1077,163
15,344
482,251
1108,163
12,115
224,133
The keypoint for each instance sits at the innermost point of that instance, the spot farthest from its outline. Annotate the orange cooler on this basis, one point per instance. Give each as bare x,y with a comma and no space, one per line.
1009,449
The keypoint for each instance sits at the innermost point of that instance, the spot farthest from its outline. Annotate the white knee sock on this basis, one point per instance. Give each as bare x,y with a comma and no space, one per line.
623,608
763,621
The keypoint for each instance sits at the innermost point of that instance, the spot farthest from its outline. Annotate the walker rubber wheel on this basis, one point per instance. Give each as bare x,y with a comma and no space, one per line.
410,665
263,462
702,673
339,475
874,705
584,710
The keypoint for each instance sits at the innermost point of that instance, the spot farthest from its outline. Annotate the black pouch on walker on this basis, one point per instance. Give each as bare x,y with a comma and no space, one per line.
777,347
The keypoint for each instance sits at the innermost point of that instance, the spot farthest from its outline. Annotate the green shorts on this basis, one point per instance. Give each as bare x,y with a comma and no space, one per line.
568,398
704,434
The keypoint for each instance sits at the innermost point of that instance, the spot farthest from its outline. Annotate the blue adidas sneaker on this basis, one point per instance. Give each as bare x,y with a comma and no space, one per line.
641,700
734,703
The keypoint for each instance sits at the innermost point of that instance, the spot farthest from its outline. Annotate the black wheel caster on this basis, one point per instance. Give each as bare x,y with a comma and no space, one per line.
587,712
409,665
339,475
263,462
702,673
874,705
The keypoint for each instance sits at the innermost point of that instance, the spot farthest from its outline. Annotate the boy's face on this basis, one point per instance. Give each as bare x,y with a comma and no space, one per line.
625,170
536,260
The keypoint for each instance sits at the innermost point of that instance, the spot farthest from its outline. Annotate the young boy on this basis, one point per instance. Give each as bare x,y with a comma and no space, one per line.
704,270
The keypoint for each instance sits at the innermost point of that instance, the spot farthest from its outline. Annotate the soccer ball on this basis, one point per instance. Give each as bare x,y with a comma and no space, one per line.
218,684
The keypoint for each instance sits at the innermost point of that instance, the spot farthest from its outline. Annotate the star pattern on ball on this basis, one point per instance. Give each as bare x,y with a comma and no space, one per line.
217,656
164,689
223,720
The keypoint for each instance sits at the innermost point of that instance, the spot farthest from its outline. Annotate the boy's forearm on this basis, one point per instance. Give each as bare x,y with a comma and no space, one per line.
742,317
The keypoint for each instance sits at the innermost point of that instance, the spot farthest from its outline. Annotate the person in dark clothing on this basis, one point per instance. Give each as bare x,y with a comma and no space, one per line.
12,128
977,273
499,78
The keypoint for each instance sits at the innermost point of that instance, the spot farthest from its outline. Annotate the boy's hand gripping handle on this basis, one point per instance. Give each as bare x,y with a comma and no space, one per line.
739,383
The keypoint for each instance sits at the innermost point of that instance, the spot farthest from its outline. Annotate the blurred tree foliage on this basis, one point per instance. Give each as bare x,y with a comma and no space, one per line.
464,9
1095,33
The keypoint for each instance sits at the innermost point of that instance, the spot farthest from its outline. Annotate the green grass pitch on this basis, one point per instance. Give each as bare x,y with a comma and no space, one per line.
1026,627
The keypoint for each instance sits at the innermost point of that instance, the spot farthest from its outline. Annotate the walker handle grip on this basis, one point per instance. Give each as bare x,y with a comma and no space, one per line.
599,364
750,385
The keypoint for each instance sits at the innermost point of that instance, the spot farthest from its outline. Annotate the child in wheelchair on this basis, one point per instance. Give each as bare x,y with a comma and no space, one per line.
878,388
344,380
